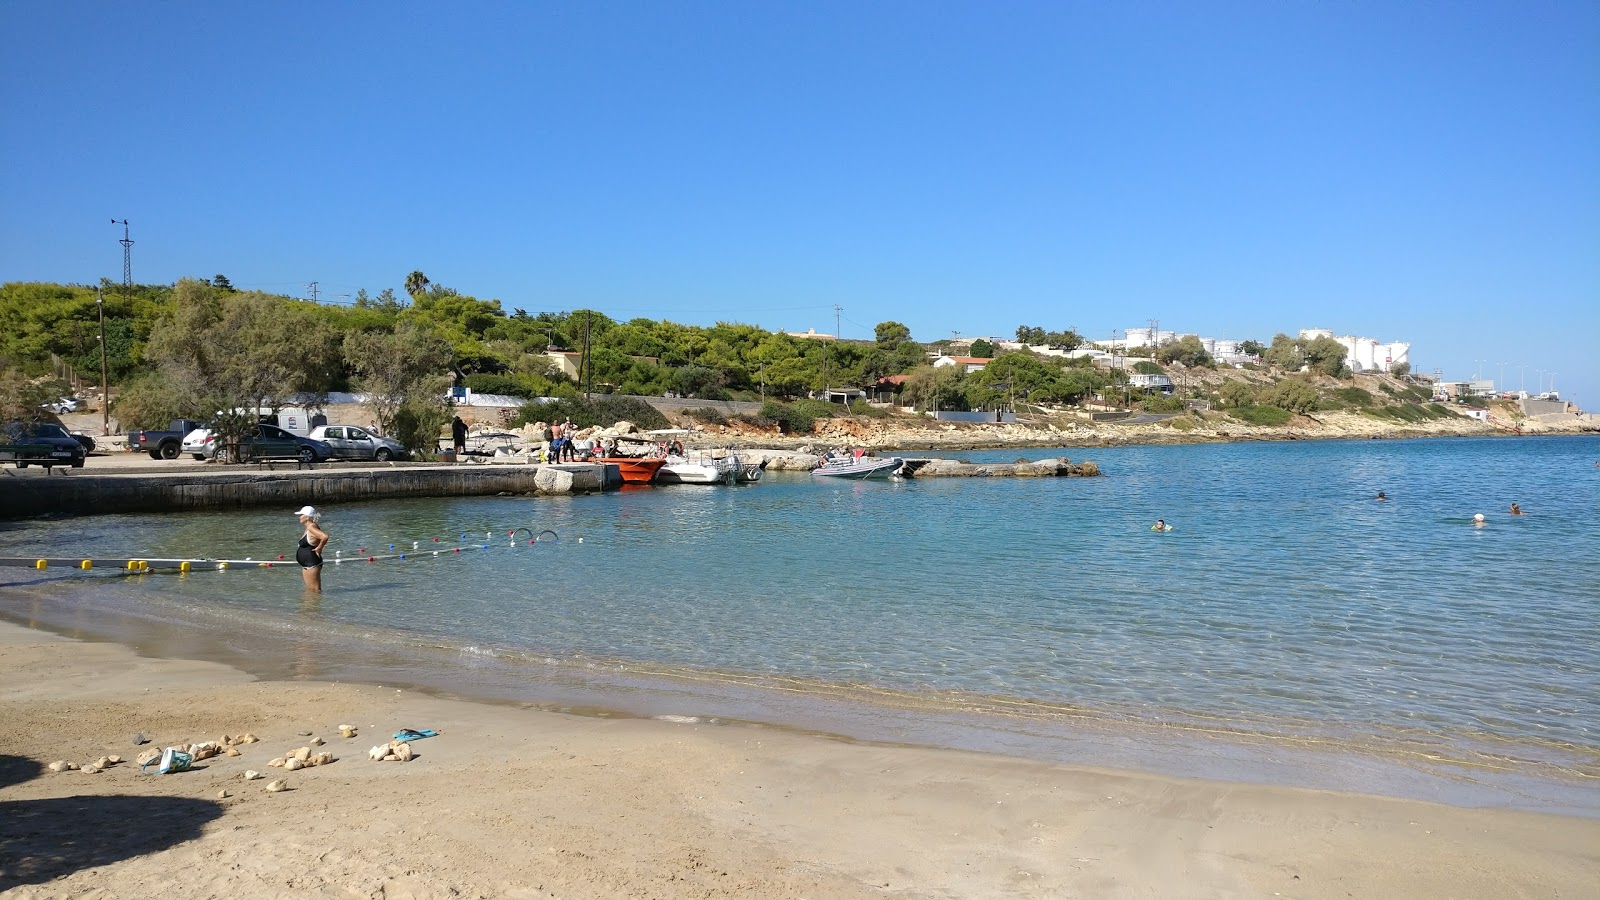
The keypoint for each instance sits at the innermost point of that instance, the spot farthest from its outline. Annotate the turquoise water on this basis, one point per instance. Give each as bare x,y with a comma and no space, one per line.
1286,610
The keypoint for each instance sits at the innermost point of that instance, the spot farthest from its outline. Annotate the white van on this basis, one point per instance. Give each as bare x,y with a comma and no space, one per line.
297,420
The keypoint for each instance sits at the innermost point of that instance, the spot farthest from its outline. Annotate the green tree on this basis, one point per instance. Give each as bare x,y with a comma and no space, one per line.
403,370
1238,393
1252,348
890,334
221,283
416,283
930,387
1186,350
1064,340
1327,356
234,353
1284,353
1032,335
982,349
24,398
1295,394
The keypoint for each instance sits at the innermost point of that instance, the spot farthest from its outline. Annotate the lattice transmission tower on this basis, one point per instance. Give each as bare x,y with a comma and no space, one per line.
127,261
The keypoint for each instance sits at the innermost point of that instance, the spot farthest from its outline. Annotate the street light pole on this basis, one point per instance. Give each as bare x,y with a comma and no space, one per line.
105,388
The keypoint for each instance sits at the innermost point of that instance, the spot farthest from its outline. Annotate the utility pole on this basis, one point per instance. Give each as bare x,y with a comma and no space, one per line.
837,309
127,261
105,387
588,366
1155,334
312,287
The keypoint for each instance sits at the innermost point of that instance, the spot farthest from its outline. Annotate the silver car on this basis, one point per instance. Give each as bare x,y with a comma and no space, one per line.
355,442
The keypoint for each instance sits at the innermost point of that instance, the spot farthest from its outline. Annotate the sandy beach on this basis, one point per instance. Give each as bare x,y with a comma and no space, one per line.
510,802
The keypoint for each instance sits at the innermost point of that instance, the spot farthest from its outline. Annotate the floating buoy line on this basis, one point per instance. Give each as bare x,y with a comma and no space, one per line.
419,550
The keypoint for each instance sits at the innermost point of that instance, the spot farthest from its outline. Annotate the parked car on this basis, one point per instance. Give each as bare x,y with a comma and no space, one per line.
40,444
64,405
355,442
162,444
84,438
260,442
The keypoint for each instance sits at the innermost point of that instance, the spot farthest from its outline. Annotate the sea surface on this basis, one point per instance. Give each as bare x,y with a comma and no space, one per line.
1290,629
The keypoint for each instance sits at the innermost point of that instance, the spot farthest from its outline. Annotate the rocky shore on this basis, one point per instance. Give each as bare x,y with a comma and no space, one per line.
906,433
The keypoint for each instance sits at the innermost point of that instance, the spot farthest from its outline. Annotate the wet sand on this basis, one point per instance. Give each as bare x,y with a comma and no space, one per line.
523,803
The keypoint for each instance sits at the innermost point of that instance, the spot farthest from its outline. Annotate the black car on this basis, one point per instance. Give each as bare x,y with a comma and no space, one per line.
40,444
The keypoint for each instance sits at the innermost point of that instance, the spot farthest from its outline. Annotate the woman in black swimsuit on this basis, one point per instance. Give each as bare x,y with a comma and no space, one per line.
309,553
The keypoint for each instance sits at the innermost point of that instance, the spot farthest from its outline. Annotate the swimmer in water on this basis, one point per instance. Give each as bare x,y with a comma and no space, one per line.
1516,510
1478,521
1161,525
1381,496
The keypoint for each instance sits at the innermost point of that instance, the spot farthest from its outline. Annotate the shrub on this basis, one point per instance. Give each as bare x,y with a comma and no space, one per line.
1410,412
1262,415
789,418
863,408
1161,404
708,414
1353,396
1293,394
603,411
1145,367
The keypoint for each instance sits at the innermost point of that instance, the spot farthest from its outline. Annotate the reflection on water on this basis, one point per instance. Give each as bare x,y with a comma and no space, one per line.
1286,603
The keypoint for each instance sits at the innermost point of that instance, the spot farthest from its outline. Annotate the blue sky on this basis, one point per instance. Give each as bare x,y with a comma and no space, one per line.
1405,171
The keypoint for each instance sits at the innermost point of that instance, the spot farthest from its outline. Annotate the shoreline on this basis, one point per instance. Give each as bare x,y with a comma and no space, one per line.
534,803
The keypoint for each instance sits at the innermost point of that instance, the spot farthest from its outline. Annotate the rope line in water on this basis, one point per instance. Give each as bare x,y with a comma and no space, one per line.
419,550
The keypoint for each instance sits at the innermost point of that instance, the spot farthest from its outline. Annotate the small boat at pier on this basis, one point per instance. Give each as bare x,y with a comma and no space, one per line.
859,468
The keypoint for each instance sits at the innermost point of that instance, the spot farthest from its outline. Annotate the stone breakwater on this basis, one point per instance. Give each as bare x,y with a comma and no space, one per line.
83,494
1057,467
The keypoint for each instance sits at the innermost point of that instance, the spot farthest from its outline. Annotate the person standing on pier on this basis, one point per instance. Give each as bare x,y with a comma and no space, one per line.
458,435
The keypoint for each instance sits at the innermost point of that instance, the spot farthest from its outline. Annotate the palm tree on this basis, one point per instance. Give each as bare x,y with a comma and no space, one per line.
416,283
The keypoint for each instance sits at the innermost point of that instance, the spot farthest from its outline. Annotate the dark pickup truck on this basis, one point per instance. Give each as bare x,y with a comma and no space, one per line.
163,444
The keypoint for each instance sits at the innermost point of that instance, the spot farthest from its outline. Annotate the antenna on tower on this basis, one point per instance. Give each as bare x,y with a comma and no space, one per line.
127,261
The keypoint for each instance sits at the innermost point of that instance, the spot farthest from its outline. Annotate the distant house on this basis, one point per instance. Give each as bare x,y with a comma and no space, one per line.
972,363
1157,382
566,361
845,396
810,334
886,389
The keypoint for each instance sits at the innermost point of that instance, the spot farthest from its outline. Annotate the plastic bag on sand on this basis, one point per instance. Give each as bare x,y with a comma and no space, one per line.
172,760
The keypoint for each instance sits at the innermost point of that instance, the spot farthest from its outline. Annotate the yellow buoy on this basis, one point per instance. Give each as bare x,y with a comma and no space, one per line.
86,564
183,567
40,563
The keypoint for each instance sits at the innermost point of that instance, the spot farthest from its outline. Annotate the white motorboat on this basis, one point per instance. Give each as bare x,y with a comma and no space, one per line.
859,467
699,468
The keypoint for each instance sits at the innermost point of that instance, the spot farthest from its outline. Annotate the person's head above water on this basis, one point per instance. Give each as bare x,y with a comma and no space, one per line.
1477,519
1381,496
1516,509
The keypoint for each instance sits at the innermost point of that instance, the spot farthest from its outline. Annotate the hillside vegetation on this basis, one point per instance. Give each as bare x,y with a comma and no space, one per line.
198,346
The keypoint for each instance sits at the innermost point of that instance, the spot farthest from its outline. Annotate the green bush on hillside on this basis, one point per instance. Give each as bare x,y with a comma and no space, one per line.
1262,415
604,411
1162,404
708,414
1353,396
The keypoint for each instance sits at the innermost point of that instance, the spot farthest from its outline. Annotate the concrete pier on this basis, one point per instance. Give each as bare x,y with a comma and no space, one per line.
80,493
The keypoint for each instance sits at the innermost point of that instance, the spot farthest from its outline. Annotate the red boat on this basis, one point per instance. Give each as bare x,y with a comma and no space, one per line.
635,469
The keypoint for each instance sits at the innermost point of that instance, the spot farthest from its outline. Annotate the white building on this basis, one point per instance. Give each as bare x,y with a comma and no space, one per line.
972,363
1146,337
1364,354
1150,382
